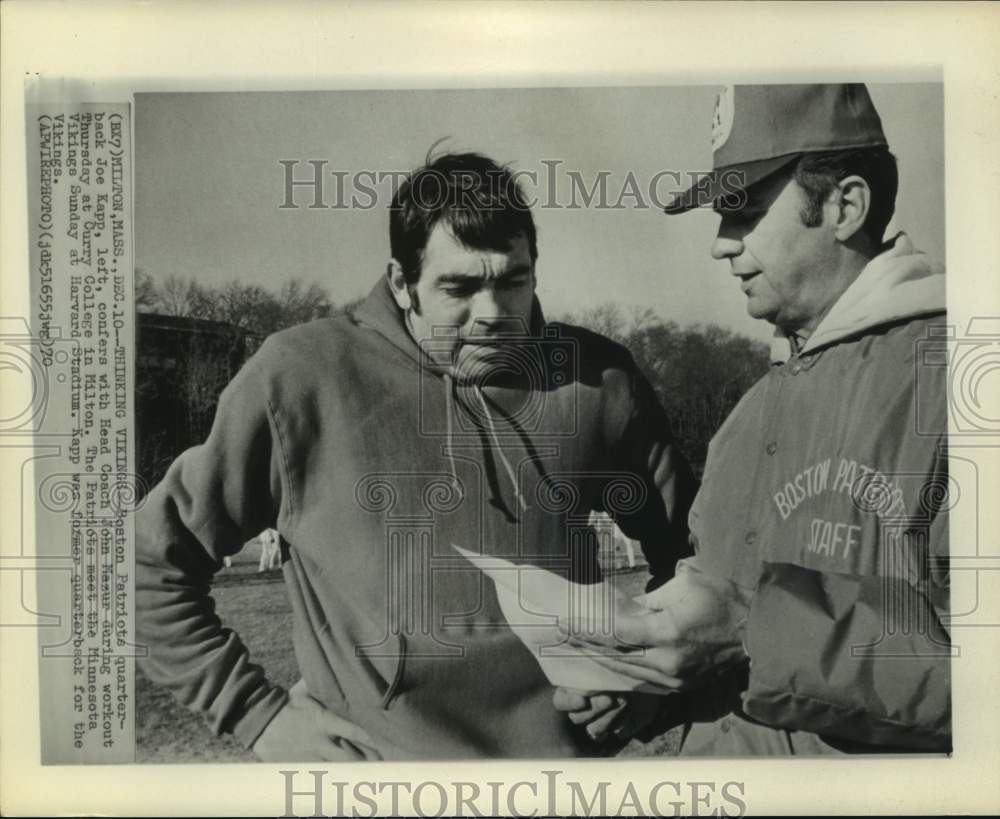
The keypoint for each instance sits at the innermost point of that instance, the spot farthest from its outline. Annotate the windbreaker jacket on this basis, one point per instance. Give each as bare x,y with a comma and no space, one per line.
371,463
825,496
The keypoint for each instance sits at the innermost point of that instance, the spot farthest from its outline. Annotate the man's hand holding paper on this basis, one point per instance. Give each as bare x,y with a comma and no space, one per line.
537,602
689,631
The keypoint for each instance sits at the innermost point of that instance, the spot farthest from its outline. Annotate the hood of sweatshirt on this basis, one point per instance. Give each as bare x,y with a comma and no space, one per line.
379,312
898,284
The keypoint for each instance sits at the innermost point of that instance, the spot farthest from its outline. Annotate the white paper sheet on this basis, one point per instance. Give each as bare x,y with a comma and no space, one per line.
534,600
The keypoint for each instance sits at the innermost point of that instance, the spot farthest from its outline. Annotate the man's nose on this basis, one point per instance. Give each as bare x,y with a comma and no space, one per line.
491,315
726,248
728,242
487,305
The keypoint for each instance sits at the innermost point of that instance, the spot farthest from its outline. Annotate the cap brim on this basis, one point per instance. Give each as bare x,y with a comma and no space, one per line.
723,187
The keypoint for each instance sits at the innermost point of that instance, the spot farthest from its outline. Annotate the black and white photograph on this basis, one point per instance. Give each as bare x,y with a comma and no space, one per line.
652,354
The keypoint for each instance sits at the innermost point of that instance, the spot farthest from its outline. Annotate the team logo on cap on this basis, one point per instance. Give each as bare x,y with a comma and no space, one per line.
722,119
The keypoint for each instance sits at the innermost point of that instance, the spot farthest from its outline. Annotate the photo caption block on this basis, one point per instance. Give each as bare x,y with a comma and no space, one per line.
82,329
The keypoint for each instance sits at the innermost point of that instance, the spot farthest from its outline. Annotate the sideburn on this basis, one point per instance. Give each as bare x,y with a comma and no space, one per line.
414,298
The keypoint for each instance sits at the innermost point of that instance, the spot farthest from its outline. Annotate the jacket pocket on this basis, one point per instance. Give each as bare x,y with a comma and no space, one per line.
348,656
320,676
356,673
385,667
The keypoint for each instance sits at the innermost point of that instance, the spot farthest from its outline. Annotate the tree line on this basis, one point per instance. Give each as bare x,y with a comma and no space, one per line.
699,372
250,307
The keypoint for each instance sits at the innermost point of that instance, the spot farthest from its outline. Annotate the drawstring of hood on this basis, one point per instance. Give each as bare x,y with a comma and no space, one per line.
496,443
449,402
449,411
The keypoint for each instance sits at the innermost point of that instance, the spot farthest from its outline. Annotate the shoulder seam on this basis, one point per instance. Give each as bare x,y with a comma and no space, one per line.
272,416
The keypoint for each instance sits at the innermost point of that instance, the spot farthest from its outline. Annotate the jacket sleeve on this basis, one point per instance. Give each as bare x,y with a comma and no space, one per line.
213,498
647,450
858,658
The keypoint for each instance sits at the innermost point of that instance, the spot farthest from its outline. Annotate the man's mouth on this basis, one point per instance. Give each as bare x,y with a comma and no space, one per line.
498,338
746,279
479,356
484,342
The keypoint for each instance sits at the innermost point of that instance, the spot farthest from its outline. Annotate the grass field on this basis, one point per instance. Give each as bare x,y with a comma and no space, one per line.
257,607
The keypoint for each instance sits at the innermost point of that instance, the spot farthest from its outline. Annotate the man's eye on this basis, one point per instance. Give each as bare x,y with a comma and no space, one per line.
459,292
514,284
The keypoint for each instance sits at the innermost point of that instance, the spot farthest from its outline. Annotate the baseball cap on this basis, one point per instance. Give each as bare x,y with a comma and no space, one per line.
759,129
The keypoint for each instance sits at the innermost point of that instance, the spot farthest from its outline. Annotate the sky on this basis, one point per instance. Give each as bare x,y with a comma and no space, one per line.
210,185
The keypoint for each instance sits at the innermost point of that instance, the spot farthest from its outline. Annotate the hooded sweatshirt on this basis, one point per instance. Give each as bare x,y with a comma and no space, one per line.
371,461
825,497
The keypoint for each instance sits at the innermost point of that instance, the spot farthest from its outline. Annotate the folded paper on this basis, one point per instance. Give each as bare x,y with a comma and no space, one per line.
534,600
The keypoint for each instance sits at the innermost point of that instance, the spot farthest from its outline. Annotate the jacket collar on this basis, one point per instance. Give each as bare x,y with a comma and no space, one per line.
898,284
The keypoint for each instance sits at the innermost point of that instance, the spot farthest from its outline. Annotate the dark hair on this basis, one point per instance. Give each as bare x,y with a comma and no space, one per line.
479,200
819,173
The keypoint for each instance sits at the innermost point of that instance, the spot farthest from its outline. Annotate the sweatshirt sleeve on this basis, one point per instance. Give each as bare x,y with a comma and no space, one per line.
213,498
647,449
859,658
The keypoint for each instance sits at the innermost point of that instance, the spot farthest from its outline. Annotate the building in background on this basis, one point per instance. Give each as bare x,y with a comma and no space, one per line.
182,365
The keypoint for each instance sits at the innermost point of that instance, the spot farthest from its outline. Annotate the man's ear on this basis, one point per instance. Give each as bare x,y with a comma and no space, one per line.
397,284
853,204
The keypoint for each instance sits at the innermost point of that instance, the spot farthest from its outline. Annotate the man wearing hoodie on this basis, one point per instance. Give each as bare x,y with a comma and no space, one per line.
813,617
444,411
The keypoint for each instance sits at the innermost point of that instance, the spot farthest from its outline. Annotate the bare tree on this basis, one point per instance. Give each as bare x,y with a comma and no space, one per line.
146,295
176,295
303,302
605,319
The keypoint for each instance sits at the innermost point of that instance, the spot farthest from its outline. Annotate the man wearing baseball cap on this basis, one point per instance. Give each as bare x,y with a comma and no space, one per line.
813,617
